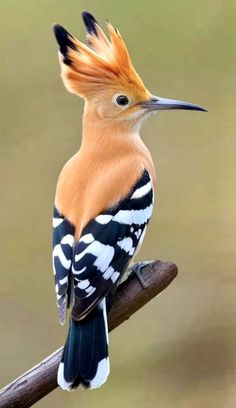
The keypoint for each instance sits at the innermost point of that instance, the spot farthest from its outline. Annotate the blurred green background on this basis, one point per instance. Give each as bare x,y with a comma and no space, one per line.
180,350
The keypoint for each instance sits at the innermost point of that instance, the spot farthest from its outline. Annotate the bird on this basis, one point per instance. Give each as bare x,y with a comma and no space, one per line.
104,195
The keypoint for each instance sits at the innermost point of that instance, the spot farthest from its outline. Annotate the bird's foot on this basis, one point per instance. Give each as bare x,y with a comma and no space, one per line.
136,269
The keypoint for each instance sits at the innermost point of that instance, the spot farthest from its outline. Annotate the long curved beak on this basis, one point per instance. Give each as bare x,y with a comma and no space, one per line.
155,103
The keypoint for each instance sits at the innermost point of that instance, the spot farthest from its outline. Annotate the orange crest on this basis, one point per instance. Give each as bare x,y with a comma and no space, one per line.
88,69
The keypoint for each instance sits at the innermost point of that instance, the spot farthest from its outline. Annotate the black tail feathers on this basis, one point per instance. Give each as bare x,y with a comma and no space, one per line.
85,357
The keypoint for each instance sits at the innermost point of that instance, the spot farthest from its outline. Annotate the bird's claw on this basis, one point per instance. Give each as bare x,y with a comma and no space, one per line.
136,270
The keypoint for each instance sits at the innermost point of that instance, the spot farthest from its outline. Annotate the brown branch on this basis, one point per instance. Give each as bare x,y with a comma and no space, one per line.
131,296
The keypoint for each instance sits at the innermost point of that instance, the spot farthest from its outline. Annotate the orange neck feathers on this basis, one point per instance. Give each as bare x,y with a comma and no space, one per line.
112,155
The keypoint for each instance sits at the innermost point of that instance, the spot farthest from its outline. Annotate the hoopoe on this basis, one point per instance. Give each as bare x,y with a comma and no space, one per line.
104,196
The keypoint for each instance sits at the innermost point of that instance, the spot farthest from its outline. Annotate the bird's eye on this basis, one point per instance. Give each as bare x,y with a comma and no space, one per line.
122,100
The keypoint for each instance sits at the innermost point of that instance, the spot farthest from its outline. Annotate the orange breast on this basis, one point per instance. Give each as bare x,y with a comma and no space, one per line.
95,179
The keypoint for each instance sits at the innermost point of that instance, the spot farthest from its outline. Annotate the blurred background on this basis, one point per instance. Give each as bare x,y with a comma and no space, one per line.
180,350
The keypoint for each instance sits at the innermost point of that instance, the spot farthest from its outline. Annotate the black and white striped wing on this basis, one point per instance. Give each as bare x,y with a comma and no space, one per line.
63,243
107,245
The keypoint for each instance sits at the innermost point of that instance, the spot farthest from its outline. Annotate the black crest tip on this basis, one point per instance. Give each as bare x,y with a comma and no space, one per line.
60,33
63,38
90,22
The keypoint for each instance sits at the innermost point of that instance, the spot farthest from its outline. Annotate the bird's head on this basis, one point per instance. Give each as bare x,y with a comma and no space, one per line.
103,74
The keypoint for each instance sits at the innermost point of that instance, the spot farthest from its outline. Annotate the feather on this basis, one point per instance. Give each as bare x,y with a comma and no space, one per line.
104,59
85,358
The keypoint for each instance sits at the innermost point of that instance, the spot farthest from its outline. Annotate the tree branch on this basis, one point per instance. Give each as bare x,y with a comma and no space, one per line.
131,296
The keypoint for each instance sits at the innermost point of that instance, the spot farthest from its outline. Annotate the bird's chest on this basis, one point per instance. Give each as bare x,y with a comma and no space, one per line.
83,194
